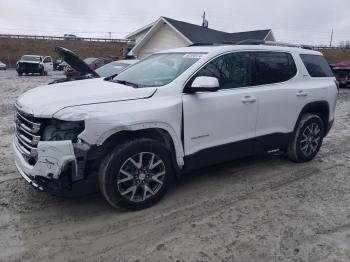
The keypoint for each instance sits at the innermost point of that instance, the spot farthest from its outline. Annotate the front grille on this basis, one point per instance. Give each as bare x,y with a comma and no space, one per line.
27,135
28,66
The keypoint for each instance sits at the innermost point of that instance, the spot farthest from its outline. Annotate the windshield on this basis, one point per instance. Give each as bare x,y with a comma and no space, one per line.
89,60
111,69
158,69
31,58
340,75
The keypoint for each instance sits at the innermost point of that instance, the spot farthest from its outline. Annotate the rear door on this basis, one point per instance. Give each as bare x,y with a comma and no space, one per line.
281,96
221,125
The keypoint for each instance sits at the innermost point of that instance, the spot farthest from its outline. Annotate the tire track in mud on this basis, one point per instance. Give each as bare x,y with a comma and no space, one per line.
204,209
175,219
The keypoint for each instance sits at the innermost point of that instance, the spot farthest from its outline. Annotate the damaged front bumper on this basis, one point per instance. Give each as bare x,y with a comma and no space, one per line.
59,164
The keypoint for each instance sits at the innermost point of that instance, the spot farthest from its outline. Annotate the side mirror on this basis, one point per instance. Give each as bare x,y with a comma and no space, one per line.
203,84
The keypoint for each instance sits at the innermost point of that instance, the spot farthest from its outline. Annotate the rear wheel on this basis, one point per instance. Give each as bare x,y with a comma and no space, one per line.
136,174
307,139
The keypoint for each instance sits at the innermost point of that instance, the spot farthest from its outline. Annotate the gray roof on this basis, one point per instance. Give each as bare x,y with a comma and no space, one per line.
198,34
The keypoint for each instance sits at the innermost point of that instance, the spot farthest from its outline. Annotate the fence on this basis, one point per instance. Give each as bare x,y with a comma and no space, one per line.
91,39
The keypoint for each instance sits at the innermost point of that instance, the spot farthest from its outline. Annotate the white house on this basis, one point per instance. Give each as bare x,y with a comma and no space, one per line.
166,33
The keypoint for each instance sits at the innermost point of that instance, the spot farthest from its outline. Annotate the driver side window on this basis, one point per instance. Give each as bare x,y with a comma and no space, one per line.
47,60
232,70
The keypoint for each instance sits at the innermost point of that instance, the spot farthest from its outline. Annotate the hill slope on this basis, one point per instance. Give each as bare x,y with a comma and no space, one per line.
336,55
11,49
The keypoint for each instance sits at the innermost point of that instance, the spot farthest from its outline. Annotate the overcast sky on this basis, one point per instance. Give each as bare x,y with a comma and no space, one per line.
302,21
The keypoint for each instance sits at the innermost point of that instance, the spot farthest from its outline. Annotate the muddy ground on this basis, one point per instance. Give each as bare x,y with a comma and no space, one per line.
262,208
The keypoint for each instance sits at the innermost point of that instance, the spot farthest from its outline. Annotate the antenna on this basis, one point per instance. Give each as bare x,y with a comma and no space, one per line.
331,42
205,22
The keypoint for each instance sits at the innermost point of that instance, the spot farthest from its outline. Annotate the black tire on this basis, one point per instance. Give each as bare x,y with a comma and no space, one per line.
306,141
42,72
113,167
19,73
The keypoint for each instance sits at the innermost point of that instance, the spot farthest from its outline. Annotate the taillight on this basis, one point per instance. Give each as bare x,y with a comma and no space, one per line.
338,84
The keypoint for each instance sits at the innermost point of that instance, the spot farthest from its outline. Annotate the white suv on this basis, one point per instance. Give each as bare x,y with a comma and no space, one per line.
170,113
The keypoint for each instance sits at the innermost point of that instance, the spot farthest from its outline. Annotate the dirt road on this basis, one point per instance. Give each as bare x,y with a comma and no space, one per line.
262,208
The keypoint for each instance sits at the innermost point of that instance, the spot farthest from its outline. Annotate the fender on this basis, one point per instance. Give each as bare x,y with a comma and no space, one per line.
309,108
148,125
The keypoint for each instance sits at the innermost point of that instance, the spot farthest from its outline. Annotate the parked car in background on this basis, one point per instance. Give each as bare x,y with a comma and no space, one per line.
71,37
113,68
343,78
2,66
61,65
85,71
92,62
342,73
31,64
173,112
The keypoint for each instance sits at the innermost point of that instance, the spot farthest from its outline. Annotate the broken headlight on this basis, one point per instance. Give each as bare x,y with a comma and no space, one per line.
59,130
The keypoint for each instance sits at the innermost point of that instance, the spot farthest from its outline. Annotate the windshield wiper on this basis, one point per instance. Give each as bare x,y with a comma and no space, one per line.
123,82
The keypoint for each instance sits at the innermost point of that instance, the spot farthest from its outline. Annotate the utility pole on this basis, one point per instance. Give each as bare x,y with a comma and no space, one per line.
110,35
331,42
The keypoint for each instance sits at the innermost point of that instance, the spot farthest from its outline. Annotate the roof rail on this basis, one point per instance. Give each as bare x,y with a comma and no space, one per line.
272,43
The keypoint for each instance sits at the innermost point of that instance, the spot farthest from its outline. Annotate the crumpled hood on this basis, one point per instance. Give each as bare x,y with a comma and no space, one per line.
45,101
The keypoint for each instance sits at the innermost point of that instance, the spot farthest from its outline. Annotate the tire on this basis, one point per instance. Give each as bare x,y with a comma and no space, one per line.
307,139
124,184
19,73
42,72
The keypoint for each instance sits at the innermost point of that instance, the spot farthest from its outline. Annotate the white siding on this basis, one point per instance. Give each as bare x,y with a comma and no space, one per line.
164,38
270,37
139,36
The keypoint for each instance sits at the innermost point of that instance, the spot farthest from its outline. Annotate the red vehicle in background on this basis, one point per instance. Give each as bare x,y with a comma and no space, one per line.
92,62
342,73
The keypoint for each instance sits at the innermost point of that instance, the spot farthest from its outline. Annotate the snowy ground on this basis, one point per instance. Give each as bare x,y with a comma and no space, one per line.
262,208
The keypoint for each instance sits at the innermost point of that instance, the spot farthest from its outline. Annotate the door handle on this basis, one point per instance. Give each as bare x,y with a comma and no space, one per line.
248,99
302,93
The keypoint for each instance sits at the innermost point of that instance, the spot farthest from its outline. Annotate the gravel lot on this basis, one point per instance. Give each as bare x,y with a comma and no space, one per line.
262,208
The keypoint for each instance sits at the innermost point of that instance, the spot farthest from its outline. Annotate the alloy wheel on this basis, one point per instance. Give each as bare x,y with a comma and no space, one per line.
310,139
141,176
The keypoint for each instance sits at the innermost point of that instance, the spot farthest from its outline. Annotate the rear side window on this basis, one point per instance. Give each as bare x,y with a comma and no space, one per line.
317,66
273,67
47,60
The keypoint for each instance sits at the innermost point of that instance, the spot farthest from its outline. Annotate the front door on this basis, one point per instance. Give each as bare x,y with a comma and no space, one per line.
48,64
221,125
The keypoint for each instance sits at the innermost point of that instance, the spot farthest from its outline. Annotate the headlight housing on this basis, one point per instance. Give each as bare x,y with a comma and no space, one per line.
59,130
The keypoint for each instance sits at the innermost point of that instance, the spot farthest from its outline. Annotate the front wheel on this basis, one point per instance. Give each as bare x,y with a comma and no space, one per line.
307,139
136,174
